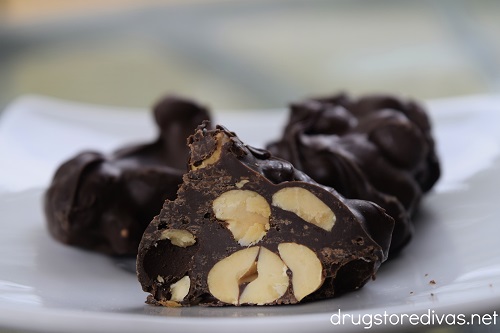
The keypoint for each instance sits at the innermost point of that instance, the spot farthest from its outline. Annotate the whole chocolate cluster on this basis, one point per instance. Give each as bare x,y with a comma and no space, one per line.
104,202
377,148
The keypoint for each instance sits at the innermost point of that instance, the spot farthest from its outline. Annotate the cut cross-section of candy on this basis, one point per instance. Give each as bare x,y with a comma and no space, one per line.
250,229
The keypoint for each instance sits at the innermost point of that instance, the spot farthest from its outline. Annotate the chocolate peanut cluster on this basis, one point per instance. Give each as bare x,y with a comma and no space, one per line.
377,148
247,228
104,202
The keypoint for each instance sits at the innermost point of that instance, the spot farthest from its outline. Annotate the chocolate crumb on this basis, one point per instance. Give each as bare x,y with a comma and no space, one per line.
432,282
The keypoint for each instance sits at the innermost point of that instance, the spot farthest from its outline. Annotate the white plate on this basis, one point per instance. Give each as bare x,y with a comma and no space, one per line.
45,286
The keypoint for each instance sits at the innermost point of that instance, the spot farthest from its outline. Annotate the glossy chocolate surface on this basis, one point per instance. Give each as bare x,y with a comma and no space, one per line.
376,148
104,202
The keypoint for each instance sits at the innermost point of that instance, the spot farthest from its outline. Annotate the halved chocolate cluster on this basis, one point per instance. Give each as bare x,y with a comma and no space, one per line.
249,228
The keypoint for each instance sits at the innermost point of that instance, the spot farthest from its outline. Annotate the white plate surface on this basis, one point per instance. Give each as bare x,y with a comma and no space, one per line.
45,286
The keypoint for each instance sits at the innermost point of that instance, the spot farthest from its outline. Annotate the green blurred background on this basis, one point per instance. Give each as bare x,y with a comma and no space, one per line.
244,54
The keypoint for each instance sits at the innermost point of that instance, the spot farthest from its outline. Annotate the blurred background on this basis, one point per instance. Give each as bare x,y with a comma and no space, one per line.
245,54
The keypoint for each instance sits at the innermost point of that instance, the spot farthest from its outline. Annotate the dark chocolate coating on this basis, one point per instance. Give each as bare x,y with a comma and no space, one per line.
376,148
104,202
350,253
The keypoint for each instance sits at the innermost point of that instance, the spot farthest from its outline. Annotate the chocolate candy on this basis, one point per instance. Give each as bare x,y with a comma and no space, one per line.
104,202
376,148
249,228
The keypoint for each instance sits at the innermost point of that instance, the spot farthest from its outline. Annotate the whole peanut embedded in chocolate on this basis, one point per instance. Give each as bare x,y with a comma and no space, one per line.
248,228
376,148
104,202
